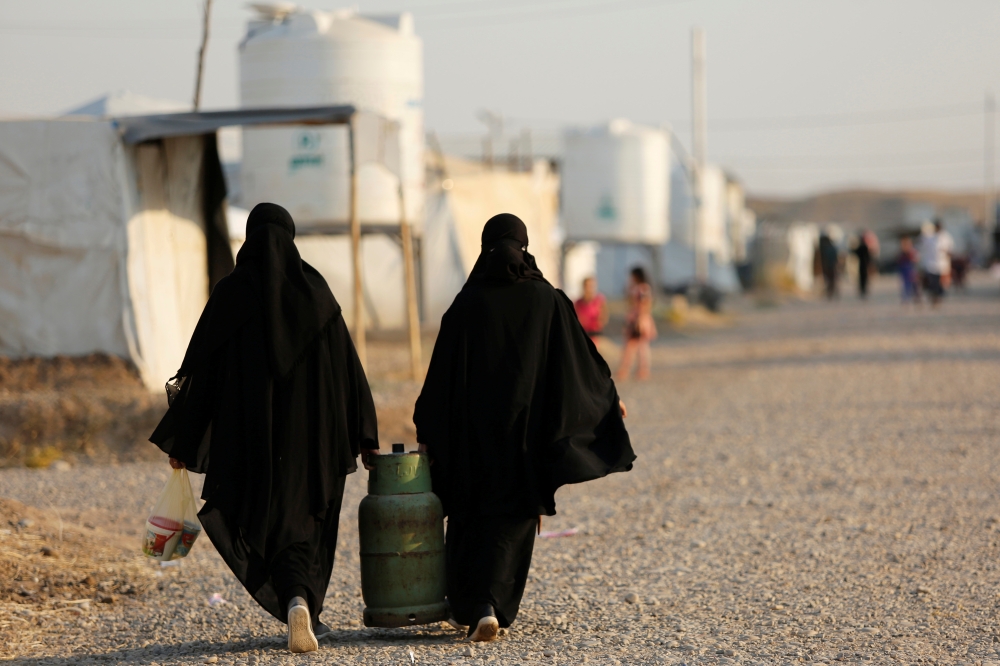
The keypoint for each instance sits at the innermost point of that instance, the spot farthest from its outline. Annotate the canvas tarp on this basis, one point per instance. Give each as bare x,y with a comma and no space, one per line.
102,246
63,288
476,194
459,206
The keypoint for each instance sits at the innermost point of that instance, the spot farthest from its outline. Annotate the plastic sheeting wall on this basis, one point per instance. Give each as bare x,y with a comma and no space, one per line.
444,270
167,252
102,249
62,274
477,194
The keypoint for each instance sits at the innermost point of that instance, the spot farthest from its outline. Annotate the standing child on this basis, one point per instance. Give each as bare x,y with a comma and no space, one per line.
592,309
639,326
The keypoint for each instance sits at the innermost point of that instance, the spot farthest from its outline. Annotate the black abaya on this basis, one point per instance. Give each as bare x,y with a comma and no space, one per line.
864,266
517,402
272,404
488,563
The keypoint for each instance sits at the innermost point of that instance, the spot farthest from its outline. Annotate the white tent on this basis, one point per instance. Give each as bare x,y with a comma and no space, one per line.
127,103
111,232
457,209
103,246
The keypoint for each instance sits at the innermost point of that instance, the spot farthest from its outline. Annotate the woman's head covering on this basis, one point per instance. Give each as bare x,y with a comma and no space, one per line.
270,281
504,227
269,213
504,256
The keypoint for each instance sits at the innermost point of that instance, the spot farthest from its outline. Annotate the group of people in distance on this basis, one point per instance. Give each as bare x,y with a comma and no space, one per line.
272,404
926,265
828,261
640,327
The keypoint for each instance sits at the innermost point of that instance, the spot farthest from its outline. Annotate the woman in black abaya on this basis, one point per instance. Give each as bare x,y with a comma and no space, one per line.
517,402
272,405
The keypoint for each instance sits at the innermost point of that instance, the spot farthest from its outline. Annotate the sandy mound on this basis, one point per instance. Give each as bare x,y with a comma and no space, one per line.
77,407
43,561
95,408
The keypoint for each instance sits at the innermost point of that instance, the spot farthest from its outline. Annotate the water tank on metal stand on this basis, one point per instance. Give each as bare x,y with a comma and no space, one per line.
296,57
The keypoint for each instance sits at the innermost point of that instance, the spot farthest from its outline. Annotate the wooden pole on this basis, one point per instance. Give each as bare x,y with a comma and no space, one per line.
990,204
412,311
359,303
201,54
698,143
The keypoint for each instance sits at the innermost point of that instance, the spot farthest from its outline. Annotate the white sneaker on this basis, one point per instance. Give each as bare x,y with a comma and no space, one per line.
300,632
487,628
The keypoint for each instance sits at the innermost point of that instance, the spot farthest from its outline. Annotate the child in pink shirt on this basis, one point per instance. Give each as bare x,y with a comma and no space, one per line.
591,308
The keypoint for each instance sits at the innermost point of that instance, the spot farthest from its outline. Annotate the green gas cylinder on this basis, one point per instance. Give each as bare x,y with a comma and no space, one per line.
401,527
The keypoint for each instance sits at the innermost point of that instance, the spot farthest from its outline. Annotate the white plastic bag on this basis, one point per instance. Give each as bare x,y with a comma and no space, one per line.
173,526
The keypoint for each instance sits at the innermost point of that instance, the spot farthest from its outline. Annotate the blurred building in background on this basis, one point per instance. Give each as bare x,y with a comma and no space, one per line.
625,188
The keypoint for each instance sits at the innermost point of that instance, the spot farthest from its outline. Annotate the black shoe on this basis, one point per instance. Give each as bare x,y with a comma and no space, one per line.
321,631
487,628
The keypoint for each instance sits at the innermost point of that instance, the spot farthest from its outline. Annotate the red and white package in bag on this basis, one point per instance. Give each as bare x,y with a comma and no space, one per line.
173,525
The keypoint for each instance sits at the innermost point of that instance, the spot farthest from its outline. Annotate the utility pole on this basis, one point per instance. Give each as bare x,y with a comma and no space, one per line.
201,53
494,125
699,125
989,219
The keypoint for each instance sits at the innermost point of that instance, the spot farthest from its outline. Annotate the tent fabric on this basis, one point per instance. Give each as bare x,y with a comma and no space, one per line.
168,251
136,129
113,231
48,295
444,273
60,183
478,193
103,247
127,103
62,240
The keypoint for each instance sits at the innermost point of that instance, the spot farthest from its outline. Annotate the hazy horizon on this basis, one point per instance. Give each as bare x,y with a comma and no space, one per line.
803,97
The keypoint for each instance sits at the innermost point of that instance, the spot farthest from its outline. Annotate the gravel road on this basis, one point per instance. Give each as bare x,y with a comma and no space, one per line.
816,483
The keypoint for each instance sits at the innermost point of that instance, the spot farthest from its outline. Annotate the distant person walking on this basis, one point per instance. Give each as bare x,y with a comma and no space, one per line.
272,405
592,308
935,260
907,265
640,328
864,255
828,261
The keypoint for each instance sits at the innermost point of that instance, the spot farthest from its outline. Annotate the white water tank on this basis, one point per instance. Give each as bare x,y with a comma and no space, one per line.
296,57
616,184
715,236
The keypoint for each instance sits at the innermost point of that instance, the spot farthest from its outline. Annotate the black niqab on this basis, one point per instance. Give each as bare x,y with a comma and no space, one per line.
270,278
517,401
504,256
272,404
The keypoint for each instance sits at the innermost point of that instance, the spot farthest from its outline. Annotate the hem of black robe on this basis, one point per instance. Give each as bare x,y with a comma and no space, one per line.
505,599
246,565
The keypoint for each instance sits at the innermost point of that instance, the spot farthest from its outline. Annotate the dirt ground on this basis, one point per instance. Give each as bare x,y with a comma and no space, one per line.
95,410
816,483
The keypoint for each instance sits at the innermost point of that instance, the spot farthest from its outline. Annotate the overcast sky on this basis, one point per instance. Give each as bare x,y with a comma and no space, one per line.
803,95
